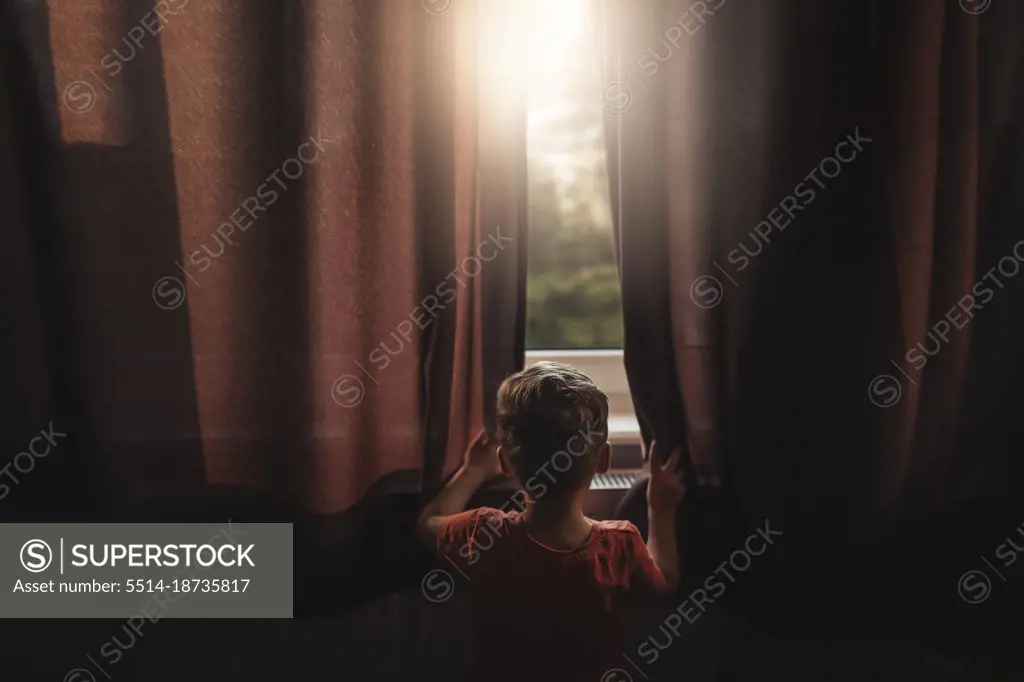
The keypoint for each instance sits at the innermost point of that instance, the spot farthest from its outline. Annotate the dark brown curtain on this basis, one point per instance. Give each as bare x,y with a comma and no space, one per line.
772,326
773,317
260,244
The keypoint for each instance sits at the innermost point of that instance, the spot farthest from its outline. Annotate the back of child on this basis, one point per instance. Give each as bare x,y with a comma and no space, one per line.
544,582
541,611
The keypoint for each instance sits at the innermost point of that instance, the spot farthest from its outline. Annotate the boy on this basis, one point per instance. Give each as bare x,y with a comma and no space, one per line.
543,580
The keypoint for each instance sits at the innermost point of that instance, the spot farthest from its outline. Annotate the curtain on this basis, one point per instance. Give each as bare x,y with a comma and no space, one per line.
803,194
260,245
758,313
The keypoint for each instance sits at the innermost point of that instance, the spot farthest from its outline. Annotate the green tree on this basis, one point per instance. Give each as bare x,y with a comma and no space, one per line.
573,295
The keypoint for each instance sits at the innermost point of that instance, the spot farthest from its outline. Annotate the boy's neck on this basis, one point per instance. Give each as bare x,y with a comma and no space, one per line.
558,517
554,510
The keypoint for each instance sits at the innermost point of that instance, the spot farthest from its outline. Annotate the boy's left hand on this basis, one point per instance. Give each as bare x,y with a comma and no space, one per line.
482,457
667,486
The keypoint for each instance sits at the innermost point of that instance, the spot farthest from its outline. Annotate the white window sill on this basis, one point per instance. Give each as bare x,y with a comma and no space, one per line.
608,371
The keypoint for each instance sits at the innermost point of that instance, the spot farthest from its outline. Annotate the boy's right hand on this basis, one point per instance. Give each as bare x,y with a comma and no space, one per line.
666,487
482,457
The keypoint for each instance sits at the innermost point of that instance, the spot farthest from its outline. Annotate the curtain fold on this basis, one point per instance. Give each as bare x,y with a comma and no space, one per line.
31,358
803,192
488,327
257,244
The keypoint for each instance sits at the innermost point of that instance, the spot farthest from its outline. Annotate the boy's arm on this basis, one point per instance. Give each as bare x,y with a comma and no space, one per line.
661,545
452,499
665,490
479,466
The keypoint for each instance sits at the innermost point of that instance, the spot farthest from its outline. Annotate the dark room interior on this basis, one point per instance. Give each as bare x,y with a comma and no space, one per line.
291,266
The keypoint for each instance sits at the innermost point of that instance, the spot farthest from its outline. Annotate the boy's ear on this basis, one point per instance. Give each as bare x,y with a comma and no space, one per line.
506,465
604,458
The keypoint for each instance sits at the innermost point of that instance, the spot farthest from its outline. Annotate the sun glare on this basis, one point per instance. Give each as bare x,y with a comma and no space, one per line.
554,39
529,43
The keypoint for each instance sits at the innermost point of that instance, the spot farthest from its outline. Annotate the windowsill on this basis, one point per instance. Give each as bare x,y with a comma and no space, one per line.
623,430
607,369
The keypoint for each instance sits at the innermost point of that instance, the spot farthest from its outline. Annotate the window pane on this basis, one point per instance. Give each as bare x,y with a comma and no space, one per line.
573,298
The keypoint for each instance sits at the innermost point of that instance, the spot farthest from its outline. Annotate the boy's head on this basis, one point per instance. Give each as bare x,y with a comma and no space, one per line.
553,429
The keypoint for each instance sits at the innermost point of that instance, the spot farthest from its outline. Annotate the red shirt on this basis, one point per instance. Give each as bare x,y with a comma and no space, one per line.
541,613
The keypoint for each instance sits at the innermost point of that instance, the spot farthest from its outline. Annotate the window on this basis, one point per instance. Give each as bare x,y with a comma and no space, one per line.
573,297
574,308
